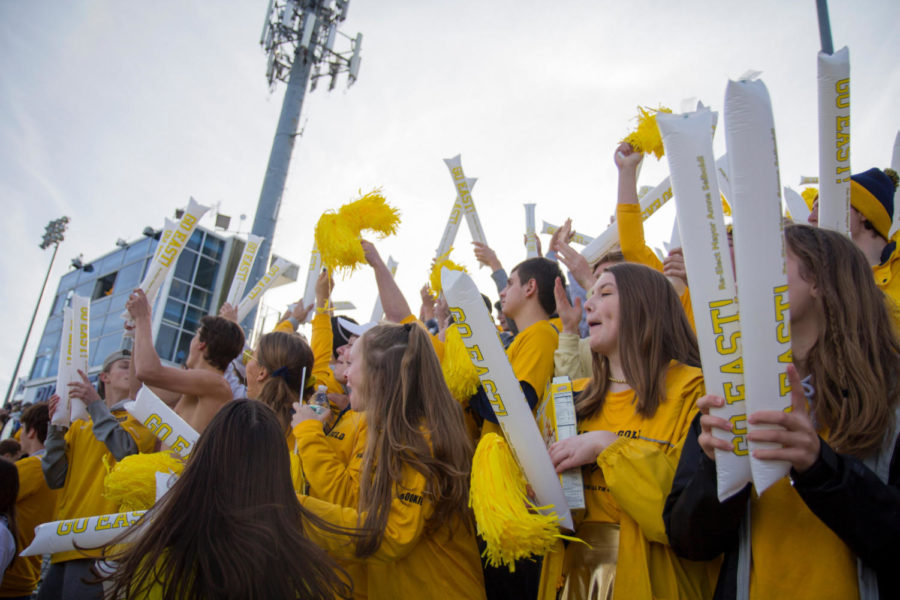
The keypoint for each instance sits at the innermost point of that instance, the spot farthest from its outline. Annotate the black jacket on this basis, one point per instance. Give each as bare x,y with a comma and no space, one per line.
848,497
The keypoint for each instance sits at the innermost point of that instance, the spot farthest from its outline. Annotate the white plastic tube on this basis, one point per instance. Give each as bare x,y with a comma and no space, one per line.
834,140
688,142
759,260
503,391
239,283
163,422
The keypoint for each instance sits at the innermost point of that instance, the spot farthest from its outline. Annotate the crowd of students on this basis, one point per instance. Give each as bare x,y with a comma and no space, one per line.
370,499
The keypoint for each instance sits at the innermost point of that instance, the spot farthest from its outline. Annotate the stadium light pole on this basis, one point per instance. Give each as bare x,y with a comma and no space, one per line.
53,235
299,38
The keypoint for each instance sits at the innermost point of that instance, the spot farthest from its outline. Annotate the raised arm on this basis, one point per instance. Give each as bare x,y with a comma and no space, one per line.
395,306
150,370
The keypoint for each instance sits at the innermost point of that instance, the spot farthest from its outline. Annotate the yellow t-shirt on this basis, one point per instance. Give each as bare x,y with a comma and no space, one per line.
321,342
35,504
667,427
531,357
82,494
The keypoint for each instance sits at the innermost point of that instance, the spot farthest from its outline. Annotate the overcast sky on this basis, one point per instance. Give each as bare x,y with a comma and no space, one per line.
114,113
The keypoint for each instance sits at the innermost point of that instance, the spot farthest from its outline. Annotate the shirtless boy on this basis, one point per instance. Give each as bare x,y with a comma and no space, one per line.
200,390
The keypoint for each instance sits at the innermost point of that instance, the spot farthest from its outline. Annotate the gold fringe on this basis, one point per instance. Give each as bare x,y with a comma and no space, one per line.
131,483
507,520
338,233
459,372
646,137
442,261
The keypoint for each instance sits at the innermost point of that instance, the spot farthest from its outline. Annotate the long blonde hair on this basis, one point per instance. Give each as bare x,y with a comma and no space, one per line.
413,421
855,361
653,331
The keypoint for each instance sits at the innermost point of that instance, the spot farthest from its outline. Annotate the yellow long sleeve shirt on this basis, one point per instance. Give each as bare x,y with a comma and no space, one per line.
35,504
410,563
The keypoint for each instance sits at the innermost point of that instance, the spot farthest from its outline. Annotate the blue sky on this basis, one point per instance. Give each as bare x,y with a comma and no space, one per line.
114,113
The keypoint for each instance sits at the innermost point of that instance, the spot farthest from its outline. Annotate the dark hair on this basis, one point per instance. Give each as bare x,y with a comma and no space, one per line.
544,272
413,422
339,335
653,331
231,526
855,361
284,355
9,490
10,446
36,417
224,340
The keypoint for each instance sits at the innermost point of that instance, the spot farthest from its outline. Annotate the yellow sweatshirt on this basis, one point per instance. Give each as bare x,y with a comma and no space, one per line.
35,504
409,563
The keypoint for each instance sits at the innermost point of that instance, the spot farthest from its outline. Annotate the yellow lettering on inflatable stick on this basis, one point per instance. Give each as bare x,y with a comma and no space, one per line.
504,393
464,193
688,143
162,421
73,355
82,533
759,257
834,140
578,238
272,278
168,251
452,226
239,283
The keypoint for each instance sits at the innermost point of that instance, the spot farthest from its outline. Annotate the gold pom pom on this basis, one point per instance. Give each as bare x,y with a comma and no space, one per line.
646,137
726,208
459,372
338,233
131,483
507,520
809,196
440,262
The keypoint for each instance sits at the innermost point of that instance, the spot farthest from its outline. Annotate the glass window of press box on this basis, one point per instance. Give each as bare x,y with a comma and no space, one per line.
110,279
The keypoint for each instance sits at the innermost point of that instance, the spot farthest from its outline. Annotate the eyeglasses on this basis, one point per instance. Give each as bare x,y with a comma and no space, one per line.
247,356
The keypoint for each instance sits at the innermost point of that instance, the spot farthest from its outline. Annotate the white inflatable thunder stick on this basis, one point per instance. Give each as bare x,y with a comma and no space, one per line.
168,253
312,274
796,205
531,250
74,343
239,283
378,309
465,197
688,143
262,286
650,203
578,238
759,260
164,237
834,140
163,422
452,226
83,533
503,392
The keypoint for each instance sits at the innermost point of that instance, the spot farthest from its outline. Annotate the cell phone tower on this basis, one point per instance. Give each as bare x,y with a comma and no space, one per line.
299,38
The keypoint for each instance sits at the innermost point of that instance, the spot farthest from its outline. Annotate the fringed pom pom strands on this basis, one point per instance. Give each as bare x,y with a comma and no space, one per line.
646,138
440,262
459,372
338,233
508,521
131,483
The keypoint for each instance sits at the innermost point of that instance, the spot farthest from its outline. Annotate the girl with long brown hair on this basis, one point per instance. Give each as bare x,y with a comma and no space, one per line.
276,370
839,511
415,529
231,525
638,402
